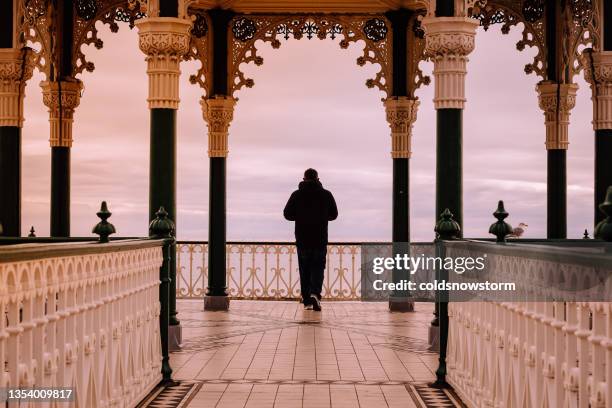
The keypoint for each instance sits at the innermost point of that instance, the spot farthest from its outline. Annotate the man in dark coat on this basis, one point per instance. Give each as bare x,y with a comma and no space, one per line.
311,207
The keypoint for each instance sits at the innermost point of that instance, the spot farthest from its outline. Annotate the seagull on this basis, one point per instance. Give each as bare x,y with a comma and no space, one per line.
518,231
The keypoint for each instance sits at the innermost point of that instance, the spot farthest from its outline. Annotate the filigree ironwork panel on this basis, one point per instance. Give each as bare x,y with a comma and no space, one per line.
199,49
510,13
416,55
580,29
86,33
372,30
38,26
269,271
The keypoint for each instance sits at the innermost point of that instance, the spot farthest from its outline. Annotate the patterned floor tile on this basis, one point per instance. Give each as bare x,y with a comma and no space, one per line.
175,396
430,397
274,354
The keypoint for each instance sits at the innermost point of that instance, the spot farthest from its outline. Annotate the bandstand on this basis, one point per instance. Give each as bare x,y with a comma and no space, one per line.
98,305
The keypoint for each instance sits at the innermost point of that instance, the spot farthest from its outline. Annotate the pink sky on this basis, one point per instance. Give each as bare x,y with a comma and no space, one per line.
309,108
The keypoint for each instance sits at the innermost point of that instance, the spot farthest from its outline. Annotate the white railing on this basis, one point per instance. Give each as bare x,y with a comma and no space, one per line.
522,354
269,270
84,316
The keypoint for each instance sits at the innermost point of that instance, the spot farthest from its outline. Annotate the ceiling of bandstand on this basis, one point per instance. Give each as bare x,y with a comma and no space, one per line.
308,6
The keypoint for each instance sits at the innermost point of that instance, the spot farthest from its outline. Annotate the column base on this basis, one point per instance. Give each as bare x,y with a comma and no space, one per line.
175,337
434,338
216,303
401,304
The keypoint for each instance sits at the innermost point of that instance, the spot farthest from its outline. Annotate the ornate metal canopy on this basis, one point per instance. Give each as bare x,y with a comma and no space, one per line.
309,6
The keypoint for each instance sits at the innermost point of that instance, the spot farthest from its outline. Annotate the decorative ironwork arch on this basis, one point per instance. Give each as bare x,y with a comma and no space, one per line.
38,28
85,32
374,30
510,13
581,25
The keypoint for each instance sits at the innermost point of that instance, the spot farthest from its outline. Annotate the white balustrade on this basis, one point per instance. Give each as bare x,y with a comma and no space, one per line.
82,315
524,354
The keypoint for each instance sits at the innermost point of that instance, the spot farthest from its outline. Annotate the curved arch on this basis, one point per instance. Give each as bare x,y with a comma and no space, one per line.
373,30
531,15
37,28
581,26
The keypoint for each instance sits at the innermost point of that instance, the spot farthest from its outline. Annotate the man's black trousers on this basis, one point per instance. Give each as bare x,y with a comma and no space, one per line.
311,262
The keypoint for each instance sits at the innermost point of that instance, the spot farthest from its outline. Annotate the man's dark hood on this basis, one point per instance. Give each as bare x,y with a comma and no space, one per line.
310,185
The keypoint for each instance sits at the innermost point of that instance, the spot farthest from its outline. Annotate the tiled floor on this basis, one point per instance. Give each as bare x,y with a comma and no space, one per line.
275,354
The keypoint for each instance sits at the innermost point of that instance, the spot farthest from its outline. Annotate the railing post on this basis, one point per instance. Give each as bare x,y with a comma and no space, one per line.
161,228
500,229
447,229
104,228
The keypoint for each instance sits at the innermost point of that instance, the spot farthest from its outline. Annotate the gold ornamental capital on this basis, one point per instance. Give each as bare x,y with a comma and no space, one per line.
164,41
163,35
401,114
16,68
446,36
448,42
218,112
557,102
62,98
598,73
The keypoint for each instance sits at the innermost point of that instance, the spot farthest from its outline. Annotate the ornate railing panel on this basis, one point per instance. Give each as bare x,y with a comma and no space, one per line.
533,353
84,316
262,270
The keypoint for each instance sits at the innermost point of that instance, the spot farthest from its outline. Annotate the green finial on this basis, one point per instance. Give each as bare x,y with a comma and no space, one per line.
161,226
603,230
500,228
586,234
104,228
446,227
32,233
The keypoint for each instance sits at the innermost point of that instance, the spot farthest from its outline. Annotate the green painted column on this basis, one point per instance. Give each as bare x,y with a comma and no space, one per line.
16,67
449,162
448,42
603,166
61,98
556,101
60,191
401,112
162,182
556,203
218,110
221,109
599,75
217,284
450,56
10,180
164,40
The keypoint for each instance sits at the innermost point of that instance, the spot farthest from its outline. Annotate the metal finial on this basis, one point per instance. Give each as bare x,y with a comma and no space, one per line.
603,230
446,227
500,229
161,226
104,228
32,233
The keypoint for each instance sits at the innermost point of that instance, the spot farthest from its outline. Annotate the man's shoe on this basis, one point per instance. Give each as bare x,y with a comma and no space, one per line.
316,303
308,307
